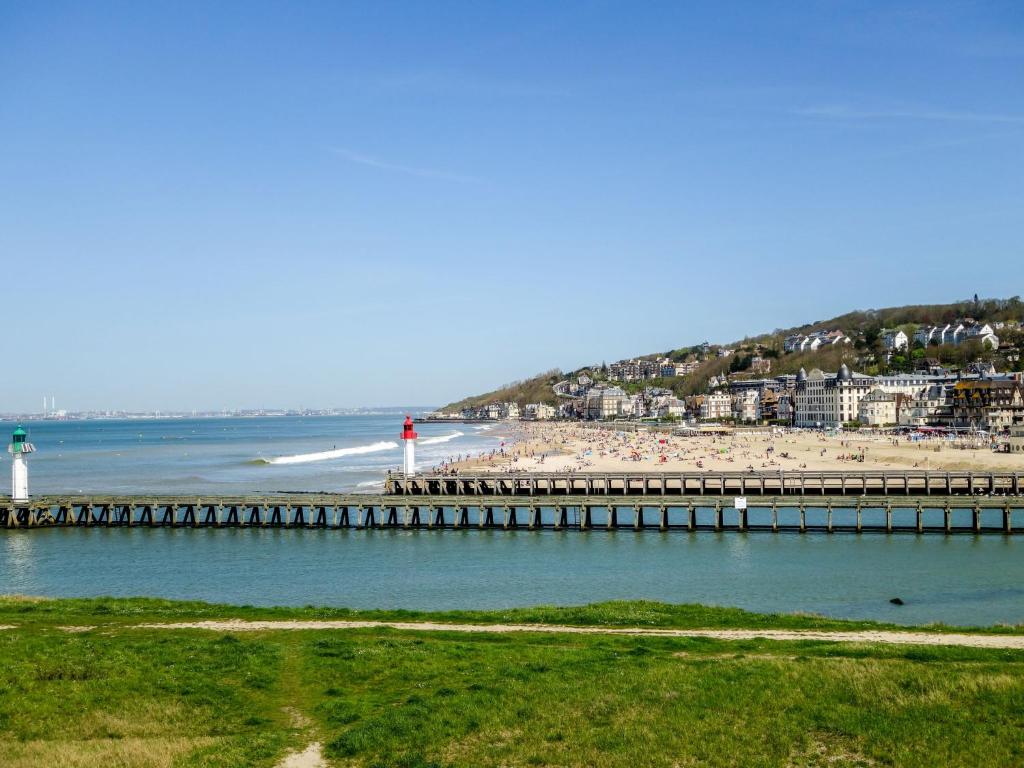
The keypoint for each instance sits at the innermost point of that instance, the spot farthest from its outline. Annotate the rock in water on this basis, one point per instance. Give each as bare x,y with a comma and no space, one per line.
896,601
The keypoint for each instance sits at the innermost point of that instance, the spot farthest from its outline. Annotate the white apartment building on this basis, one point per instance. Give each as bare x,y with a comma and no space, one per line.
747,406
828,400
957,333
909,384
716,405
878,408
894,339
539,412
605,402
670,406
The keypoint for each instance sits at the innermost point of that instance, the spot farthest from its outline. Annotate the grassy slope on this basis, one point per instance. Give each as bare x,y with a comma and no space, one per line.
532,390
132,697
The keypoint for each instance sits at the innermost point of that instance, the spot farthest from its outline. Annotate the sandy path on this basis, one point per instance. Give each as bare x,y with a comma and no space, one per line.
310,757
890,637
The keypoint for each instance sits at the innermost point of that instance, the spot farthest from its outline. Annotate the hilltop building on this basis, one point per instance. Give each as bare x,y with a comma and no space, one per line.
894,339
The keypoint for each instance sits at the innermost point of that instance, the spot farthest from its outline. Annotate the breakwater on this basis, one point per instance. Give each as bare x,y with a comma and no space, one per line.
831,514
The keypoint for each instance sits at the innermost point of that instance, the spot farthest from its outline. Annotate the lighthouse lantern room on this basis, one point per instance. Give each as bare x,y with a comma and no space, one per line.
18,449
409,444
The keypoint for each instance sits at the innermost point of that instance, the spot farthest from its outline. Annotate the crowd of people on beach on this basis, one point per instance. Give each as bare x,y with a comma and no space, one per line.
575,447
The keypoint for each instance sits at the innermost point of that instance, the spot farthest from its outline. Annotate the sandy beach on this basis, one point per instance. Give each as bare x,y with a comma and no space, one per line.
562,447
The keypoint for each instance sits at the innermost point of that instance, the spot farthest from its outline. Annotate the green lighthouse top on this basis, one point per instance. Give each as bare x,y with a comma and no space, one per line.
18,444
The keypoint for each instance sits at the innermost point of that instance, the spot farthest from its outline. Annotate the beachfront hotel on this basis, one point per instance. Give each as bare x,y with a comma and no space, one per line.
829,400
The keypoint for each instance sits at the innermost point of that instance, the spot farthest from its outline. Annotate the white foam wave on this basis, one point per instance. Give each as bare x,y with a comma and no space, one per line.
441,439
337,453
483,427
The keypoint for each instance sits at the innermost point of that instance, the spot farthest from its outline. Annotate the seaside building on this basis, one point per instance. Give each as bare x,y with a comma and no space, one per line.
879,408
669,406
910,384
827,400
785,408
990,404
605,403
769,405
716,405
539,412
932,407
747,406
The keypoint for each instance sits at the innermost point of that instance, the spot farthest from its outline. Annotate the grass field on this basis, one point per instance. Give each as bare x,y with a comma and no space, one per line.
115,695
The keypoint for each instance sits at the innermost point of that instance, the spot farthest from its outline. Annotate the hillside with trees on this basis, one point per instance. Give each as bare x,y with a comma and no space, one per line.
865,353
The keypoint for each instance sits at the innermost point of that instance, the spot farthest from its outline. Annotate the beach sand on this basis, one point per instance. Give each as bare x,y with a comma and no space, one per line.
561,447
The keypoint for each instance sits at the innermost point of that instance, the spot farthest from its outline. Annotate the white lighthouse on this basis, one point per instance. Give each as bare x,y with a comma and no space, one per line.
409,445
19,469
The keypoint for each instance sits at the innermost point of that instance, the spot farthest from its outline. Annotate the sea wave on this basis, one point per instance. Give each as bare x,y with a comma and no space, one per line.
441,439
337,453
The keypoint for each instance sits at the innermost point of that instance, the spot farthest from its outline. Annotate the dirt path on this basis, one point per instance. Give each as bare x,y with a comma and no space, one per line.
891,637
310,757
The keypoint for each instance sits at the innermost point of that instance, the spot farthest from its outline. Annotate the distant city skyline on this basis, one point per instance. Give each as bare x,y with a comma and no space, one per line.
324,206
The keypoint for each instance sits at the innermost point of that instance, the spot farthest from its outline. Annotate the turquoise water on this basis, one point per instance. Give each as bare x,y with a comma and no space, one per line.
958,579
231,455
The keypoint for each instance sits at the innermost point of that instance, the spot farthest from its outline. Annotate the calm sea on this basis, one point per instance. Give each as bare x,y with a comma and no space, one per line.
235,455
958,579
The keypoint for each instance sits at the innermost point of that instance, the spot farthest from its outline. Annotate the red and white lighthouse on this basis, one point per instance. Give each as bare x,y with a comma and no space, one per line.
409,443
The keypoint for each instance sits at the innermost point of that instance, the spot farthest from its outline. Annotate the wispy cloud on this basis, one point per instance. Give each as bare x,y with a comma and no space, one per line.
410,170
841,112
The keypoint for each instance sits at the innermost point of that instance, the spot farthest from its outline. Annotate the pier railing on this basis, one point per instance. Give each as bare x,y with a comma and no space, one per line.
831,514
778,483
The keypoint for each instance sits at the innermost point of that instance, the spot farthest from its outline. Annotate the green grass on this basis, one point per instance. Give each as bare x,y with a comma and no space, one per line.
118,695
637,613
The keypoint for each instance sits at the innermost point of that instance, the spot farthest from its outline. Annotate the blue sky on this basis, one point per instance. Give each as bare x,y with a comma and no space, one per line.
322,204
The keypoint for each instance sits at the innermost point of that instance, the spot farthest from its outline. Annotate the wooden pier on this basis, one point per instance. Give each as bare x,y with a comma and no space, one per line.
780,483
830,513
